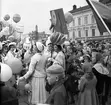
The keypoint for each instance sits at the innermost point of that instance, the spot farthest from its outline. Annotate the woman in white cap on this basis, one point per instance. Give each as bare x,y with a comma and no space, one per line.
11,53
37,72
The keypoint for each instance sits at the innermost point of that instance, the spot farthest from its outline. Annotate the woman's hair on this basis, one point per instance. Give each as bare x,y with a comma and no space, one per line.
99,57
59,47
90,75
10,47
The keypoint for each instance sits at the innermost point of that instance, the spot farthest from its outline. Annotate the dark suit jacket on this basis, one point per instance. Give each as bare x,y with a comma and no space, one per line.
58,95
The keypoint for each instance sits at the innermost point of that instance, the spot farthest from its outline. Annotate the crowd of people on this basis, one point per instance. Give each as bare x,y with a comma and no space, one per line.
75,72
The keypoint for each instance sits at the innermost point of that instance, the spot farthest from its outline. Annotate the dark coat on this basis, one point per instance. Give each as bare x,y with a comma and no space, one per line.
8,95
58,95
100,81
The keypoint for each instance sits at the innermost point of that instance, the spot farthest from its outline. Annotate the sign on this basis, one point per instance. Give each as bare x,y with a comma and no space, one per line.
58,21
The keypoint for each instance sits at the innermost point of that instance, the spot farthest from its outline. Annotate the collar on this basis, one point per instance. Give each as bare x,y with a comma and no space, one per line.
57,85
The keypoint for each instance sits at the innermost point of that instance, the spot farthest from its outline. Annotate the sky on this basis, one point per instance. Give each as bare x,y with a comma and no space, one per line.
37,12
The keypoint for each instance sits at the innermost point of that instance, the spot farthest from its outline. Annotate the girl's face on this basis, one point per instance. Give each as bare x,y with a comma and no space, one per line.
55,48
51,79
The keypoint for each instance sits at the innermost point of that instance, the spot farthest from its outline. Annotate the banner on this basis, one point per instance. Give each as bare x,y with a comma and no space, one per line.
102,14
58,21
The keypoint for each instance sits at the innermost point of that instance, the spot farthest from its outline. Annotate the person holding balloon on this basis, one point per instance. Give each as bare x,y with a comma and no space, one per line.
37,73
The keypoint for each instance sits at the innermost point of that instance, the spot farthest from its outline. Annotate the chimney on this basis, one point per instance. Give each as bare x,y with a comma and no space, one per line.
36,28
74,7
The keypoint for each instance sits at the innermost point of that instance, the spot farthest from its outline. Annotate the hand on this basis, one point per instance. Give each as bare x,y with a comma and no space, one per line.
50,59
21,79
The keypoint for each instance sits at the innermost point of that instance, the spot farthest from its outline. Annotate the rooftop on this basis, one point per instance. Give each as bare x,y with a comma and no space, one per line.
83,8
80,9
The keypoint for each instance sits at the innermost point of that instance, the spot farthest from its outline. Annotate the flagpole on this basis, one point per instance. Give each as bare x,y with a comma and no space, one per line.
89,1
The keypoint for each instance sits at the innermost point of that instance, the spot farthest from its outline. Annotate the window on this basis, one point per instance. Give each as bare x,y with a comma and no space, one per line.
93,32
74,22
79,33
73,34
86,33
92,19
79,21
86,20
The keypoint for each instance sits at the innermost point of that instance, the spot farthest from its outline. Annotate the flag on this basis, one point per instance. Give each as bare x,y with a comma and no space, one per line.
102,14
58,21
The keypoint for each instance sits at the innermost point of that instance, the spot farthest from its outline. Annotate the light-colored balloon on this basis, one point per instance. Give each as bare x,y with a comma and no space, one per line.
21,85
27,46
27,87
68,17
6,17
67,43
15,64
6,72
16,18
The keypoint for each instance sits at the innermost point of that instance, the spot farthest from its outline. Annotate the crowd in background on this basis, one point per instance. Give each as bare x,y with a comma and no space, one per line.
73,73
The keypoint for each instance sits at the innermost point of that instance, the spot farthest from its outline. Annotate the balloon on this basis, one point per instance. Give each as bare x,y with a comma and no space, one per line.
21,85
68,17
15,64
27,87
6,72
27,46
16,18
6,17
27,57
67,43
11,38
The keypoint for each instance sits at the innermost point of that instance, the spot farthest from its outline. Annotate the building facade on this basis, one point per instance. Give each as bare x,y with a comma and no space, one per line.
84,24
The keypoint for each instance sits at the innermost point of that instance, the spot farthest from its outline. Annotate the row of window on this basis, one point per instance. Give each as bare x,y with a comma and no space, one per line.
85,20
85,32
